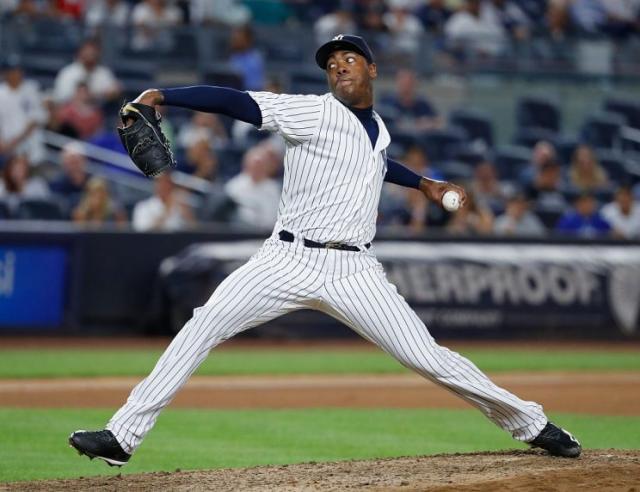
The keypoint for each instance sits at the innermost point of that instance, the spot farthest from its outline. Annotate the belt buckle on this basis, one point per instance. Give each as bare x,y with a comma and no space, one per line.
332,245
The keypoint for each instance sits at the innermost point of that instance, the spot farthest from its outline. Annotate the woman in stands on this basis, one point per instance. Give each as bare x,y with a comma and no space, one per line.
97,207
17,184
585,172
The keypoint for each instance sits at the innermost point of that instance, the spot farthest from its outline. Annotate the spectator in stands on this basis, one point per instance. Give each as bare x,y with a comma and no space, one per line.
152,20
246,59
510,16
547,189
434,14
22,113
518,219
584,220
473,219
623,214
585,172
557,19
201,160
254,190
405,28
407,110
18,184
371,20
67,9
203,126
112,13
543,153
166,210
472,32
14,8
71,183
487,188
340,21
406,206
97,207
100,80
219,12
616,18
81,113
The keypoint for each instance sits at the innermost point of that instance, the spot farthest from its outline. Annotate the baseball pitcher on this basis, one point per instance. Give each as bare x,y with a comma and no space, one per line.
319,254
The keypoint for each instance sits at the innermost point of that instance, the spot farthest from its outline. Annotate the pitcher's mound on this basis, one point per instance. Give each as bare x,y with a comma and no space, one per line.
601,470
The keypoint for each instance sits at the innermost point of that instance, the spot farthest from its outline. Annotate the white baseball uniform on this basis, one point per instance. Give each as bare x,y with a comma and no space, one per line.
332,183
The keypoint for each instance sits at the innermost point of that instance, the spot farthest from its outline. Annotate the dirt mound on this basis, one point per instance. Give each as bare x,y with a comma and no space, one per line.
601,470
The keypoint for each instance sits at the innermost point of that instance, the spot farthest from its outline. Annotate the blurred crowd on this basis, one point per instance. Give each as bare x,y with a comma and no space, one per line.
494,21
552,184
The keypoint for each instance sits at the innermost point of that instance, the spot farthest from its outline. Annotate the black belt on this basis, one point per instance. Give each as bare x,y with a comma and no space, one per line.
288,237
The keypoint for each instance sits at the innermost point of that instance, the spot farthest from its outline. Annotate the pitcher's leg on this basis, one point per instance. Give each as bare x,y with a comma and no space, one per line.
257,292
372,306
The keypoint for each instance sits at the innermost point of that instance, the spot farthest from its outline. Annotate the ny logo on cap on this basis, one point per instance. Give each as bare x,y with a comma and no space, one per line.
338,37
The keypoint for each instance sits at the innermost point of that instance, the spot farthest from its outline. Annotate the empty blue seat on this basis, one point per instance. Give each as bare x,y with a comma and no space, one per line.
614,164
629,139
529,137
511,160
602,130
440,145
5,212
475,123
538,112
456,171
40,209
630,110
308,82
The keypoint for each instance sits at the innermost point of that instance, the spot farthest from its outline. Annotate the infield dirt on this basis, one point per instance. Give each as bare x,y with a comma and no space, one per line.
601,470
614,393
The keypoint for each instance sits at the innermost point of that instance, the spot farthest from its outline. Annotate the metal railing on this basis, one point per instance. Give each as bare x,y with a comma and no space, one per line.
118,168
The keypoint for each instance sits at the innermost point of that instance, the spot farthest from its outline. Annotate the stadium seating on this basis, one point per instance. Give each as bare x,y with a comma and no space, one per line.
41,209
456,171
222,76
614,164
440,145
538,112
602,130
511,160
629,139
5,212
529,137
475,123
630,110
311,81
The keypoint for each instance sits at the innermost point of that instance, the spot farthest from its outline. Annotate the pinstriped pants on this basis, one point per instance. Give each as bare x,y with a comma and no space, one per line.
350,286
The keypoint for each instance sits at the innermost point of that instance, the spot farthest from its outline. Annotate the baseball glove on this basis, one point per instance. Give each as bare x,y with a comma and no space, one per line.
146,144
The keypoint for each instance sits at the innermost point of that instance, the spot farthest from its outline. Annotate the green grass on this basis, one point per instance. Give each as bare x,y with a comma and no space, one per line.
116,362
34,441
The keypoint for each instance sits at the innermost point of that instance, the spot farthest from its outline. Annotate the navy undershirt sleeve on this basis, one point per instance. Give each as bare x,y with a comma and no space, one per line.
401,175
212,99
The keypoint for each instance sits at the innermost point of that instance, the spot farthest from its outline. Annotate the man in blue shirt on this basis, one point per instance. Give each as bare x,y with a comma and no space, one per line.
585,219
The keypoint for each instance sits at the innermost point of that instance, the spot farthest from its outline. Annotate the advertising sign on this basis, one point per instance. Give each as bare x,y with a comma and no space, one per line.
32,286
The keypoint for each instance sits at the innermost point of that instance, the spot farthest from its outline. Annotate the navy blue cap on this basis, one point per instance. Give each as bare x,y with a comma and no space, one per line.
347,42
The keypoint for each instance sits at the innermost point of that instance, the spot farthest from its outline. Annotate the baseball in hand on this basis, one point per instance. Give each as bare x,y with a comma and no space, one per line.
451,201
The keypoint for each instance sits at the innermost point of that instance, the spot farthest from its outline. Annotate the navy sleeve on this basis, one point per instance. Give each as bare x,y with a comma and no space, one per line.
401,175
213,99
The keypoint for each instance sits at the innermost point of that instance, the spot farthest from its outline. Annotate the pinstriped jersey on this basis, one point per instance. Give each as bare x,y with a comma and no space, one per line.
332,174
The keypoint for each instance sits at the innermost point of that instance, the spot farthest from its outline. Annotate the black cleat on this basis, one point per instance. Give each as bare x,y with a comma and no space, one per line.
99,444
557,442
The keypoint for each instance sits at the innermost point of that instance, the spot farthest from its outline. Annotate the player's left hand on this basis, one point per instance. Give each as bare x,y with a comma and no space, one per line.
434,190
